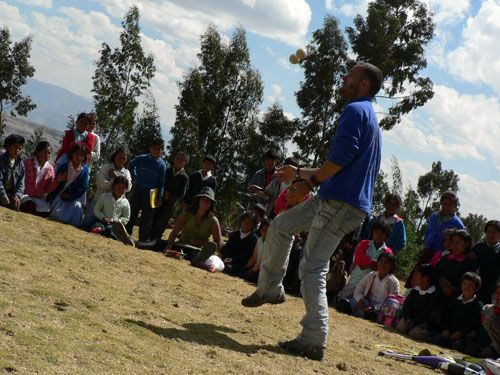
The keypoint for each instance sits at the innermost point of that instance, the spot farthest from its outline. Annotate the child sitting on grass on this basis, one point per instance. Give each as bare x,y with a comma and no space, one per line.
252,268
365,257
373,289
491,323
240,246
39,178
463,315
422,300
112,212
488,256
12,172
70,184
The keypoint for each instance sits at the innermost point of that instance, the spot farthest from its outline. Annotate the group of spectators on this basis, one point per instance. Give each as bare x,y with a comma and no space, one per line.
452,298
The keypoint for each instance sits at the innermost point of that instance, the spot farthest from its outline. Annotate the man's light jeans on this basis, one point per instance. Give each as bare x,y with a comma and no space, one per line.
327,222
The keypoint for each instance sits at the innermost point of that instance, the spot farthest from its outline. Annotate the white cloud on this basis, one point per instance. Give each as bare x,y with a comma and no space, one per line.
275,93
283,20
455,127
12,18
329,5
448,11
475,60
38,3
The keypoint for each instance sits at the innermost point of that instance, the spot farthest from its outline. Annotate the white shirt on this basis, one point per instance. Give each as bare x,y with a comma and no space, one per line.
376,290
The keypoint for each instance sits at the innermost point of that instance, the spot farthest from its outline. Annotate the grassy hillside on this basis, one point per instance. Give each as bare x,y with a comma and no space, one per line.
72,302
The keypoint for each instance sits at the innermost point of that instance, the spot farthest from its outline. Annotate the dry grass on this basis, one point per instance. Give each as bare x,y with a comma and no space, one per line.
72,302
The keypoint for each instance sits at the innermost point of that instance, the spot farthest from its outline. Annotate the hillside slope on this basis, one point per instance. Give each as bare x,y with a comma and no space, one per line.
72,302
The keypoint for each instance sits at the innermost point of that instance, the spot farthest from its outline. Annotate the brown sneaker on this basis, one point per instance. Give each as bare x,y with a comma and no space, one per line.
254,300
295,346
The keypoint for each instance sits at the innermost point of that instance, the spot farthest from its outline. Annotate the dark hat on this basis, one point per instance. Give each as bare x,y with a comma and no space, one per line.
208,192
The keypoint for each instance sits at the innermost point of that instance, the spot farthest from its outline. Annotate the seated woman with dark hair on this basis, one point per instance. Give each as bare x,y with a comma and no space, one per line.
191,233
39,178
70,184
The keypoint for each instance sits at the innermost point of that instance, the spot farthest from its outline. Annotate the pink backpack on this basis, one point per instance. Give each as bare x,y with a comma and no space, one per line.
391,310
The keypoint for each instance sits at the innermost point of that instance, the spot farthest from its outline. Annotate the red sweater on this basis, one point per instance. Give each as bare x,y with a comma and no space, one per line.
69,140
364,261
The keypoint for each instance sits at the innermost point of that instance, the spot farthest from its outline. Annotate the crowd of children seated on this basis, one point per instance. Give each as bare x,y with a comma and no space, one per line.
452,295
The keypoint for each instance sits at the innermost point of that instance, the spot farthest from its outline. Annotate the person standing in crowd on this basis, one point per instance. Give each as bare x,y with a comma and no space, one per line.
263,177
78,134
346,181
148,173
176,184
200,179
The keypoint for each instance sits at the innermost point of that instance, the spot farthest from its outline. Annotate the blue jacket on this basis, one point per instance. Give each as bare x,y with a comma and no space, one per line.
433,239
5,174
148,173
76,189
356,147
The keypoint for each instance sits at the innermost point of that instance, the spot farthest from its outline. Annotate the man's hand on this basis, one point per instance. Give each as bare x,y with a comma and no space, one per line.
286,173
16,201
106,220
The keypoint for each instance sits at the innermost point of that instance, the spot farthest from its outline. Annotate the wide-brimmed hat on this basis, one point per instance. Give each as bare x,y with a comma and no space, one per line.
208,192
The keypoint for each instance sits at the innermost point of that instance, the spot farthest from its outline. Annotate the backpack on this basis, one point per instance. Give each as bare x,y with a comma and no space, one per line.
391,310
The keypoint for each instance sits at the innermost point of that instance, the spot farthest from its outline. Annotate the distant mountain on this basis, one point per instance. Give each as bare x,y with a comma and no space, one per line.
21,126
53,104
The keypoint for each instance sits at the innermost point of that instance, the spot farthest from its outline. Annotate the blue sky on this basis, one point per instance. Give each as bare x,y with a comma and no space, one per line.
459,126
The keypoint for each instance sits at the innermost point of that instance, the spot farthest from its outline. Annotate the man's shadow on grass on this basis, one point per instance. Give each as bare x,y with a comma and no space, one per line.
206,334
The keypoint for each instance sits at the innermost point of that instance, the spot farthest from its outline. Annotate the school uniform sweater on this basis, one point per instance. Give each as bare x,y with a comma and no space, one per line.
452,268
35,185
419,305
436,226
238,249
196,183
176,184
463,316
115,209
75,189
148,173
488,258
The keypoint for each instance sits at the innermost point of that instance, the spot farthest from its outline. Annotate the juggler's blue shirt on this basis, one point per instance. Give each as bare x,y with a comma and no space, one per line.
356,147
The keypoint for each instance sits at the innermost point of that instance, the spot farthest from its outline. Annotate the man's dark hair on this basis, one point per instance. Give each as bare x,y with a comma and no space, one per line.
13,139
374,75
157,142
426,270
451,196
271,154
209,158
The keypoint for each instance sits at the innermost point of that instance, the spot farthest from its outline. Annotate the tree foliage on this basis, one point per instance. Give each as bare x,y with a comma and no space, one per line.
218,103
35,138
327,62
147,127
121,76
475,226
393,37
380,191
15,68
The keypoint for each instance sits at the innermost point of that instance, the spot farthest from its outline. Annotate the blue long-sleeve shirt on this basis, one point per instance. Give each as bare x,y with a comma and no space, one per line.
434,234
356,147
148,173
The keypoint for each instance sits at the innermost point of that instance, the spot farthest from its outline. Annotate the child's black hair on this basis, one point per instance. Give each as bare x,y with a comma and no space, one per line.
117,151
271,154
183,153
391,260
120,180
157,142
13,139
451,196
82,116
77,147
42,145
464,235
383,227
492,223
247,215
209,158
474,277
426,270
393,197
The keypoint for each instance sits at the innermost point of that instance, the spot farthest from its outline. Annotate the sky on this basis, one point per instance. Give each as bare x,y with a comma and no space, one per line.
460,126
